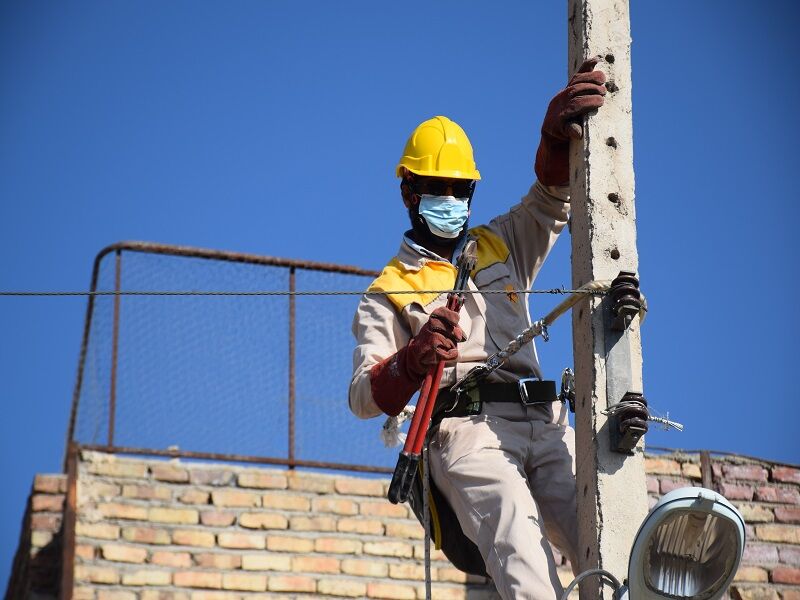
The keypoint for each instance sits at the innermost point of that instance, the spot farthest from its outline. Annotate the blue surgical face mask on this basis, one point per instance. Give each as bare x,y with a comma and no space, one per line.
445,215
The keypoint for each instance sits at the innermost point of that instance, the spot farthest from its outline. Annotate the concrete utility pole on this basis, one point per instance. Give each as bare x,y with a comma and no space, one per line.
612,495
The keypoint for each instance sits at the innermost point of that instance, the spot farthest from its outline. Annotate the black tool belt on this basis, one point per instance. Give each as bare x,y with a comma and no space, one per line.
528,392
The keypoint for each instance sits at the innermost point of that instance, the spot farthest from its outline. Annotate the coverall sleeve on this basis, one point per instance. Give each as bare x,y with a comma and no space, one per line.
379,333
530,228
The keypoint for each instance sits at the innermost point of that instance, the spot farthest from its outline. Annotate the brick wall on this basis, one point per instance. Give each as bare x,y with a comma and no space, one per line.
156,530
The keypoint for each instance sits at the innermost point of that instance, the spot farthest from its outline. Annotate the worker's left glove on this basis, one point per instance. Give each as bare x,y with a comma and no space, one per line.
584,93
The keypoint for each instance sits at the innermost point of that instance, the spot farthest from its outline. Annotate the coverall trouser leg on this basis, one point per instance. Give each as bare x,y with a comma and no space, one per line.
508,481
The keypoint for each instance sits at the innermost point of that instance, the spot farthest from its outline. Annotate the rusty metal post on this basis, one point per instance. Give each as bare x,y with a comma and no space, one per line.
706,470
292,328
68,529
112,402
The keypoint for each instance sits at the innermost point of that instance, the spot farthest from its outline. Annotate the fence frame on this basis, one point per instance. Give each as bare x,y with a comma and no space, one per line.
292,265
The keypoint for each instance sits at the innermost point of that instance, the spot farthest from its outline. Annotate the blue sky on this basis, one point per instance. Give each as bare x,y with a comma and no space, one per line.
274,128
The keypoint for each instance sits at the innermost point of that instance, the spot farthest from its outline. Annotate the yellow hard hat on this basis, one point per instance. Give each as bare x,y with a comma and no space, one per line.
439,147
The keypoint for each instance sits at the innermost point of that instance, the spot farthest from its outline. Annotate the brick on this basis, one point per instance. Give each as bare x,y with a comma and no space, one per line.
315,564
99,490
733,491
436,555
214,477
235,498
113,510
95,574
266,562
452,575
162,595
652,484
241,541
182,516
115,595
47,503
169,472
192,496
752,575
291,583
261,480
263,521
745,592
40,539
398,549
662,466
208,560
286,502
347,588
193,537
98,531
384,509
358,487
82,593
778,533
760,554
667,485
788,575
198,579
217,518
120,553
407,571
365,568
790,594
206,595
337,546
790,555
334,505
409,530
781,495
50,484
756,513
171,559
46,522
391,591
444,593
301,482
248,582
787,514
786,474
146,492
290,544
363,526
691,470
146,535
747,472
136,470
312,523
147,577
84,551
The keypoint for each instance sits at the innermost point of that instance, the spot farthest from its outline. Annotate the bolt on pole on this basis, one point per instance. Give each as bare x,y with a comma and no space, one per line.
612,496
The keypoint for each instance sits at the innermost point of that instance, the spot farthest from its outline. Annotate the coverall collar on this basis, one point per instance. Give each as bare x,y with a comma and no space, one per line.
412,254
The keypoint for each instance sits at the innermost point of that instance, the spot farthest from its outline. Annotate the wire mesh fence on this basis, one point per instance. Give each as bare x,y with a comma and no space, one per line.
236,376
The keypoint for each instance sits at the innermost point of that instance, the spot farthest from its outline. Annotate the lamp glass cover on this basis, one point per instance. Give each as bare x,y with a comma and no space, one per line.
689,555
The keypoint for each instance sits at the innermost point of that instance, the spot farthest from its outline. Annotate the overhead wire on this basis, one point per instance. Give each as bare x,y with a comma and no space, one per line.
554,291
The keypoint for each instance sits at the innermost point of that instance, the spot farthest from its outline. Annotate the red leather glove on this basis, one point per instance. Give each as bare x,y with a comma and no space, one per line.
583,93
395,379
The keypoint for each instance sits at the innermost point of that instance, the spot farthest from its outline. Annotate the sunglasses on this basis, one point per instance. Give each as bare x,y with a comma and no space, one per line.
436,186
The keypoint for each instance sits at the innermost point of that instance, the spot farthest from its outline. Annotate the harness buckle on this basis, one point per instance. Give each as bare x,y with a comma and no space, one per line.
523,391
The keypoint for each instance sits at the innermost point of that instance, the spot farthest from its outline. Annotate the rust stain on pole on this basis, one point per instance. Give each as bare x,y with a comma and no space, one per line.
68,532
292,327
112,406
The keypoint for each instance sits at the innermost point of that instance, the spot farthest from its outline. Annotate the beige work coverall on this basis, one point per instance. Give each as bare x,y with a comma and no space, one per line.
509,472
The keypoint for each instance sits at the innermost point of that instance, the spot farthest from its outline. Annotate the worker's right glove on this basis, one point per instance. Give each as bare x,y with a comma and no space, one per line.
583,93
395,379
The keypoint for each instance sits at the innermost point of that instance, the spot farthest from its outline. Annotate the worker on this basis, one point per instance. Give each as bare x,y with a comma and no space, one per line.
502,458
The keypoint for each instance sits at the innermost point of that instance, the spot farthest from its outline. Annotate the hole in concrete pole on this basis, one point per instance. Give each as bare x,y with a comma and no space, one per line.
614,254
611,142
585,489
609,58
612,87
587,552
614,197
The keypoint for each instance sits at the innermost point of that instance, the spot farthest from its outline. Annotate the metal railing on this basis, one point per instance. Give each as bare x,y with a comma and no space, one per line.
119,253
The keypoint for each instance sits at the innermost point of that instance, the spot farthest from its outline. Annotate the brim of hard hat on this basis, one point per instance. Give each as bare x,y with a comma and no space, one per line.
473,175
